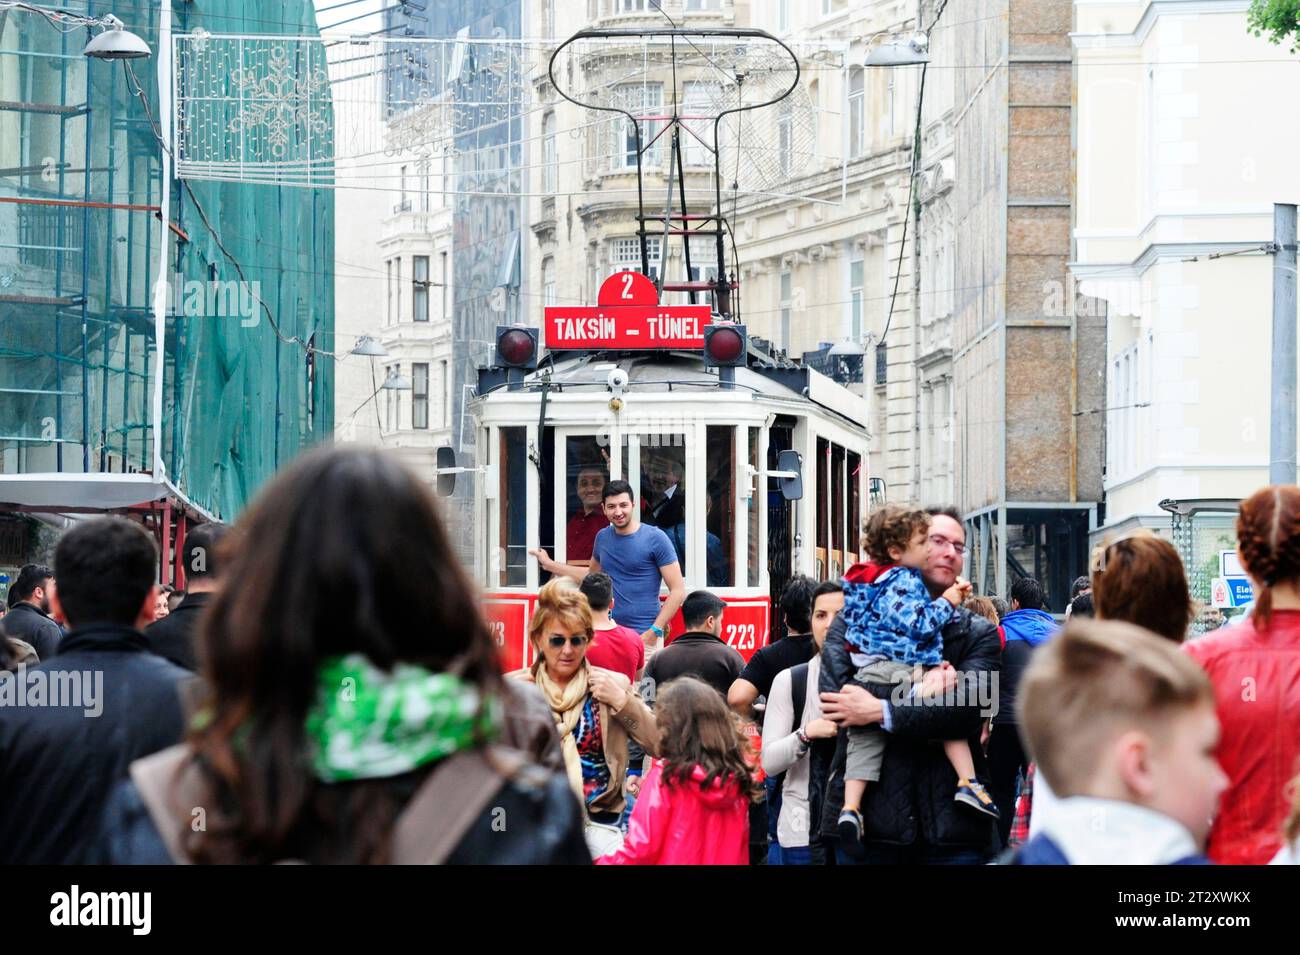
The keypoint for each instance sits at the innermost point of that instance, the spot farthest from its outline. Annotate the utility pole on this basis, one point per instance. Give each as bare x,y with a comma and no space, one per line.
1282,420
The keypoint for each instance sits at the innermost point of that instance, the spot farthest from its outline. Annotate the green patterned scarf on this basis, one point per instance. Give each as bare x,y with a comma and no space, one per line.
369,724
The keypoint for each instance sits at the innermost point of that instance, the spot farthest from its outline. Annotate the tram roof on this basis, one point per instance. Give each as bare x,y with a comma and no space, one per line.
670,372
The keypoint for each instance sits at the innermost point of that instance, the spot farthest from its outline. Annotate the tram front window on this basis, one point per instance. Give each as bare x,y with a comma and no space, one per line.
663,487
513,496
720,522
587,467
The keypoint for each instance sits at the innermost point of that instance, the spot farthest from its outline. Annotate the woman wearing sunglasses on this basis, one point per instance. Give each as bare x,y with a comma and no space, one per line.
595,710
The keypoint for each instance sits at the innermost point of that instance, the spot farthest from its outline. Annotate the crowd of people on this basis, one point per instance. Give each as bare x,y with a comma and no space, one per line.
326,690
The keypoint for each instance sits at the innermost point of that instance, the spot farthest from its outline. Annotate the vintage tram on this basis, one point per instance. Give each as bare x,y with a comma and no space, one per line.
769,456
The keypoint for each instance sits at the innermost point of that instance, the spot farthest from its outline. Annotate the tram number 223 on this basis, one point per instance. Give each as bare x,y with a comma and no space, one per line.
741,636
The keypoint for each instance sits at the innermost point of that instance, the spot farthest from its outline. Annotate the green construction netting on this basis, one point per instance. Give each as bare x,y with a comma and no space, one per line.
77,272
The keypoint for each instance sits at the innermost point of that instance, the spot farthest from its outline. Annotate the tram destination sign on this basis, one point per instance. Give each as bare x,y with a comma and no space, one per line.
627,316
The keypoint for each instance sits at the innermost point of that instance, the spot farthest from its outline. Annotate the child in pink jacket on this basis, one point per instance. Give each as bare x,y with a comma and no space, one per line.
693,808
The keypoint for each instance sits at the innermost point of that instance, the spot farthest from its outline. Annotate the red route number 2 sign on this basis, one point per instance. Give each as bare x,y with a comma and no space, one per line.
627,316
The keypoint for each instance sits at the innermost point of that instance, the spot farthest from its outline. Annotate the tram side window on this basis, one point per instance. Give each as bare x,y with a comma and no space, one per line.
855,509
823,498
513,501
719,525
587,471
837,511
663,488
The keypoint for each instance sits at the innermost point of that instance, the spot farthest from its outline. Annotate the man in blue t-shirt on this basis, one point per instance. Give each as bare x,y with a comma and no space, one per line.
638,558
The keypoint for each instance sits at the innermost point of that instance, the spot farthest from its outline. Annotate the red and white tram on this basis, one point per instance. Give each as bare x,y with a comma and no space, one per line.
547,438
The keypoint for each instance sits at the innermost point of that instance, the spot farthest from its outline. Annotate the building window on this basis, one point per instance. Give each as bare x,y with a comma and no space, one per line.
394,399
703,4
397,305
857,277
626,254
420,396
403,203
782,15
699,99
857,113
548,19
639,99
787,308
446,394
890,100
388,314
426,174
882,363
550,155
446,312
548,282
420,288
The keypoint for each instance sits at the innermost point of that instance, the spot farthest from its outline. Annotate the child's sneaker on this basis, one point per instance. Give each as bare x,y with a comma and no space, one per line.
972,794
850,829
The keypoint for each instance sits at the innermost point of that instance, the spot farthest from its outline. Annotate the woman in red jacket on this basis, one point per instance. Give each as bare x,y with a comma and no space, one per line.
693,807
1255,668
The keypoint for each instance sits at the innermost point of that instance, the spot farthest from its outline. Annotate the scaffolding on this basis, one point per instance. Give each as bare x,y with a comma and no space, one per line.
81,250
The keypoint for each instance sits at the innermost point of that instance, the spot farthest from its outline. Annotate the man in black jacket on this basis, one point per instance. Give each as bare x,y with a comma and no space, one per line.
71,726
909,815
175,636
700,651
28,618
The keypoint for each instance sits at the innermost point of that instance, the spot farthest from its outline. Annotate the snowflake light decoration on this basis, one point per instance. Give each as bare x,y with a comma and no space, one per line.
280,101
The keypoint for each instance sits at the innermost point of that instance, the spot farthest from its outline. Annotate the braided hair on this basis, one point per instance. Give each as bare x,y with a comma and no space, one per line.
1268,537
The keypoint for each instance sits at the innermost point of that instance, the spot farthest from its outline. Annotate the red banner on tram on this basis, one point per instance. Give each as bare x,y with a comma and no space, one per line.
628,316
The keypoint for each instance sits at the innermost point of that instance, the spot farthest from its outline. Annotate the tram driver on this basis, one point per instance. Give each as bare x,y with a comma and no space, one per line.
589,518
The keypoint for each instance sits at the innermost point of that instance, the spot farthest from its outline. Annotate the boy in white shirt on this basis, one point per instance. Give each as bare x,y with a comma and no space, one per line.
1124,730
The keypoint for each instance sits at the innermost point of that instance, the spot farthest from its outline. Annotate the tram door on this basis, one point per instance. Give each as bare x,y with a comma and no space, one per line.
780,522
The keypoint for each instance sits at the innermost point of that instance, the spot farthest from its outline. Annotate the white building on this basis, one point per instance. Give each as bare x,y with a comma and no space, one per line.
394,285
1181,155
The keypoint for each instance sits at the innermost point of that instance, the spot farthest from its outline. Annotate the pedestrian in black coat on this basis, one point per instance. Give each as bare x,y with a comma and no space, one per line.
29,618
909,815
175,636
70,726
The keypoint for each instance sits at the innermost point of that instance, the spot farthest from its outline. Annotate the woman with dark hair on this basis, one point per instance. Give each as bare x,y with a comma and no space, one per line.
1255,669
355,698
1140,578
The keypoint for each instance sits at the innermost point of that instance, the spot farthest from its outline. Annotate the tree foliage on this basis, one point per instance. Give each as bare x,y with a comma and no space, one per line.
1279,19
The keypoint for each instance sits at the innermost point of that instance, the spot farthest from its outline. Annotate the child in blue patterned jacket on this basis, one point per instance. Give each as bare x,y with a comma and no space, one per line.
895,629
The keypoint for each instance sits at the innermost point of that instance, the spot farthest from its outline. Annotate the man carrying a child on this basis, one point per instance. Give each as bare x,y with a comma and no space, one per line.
924,798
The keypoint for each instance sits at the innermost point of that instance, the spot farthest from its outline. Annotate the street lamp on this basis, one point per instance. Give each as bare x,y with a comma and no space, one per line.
116,42
910,51
396,381
370,348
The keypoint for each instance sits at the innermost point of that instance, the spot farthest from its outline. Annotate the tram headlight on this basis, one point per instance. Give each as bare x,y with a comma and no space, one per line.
725,345
516,347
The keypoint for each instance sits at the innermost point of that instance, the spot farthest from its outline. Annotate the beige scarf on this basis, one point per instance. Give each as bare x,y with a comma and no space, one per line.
566,706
